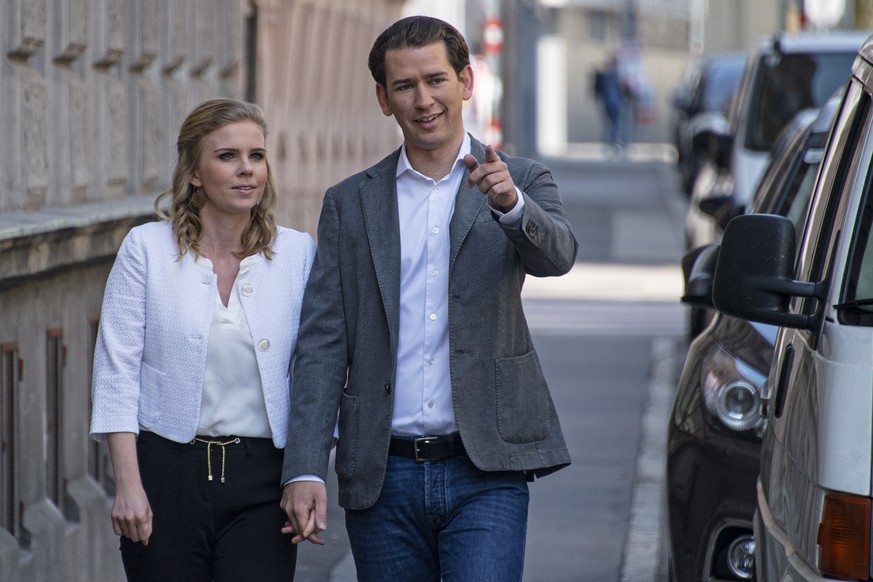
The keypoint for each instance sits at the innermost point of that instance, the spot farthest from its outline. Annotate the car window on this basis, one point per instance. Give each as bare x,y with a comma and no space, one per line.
797,201
843,147
788,83
719,85
856,304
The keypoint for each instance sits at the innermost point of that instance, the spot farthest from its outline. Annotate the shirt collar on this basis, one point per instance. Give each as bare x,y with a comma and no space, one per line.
404,166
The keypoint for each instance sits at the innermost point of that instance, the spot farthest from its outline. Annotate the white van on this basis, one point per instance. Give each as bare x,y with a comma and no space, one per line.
813,519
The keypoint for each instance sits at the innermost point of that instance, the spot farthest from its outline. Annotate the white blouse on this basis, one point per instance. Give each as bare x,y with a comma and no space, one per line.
233,399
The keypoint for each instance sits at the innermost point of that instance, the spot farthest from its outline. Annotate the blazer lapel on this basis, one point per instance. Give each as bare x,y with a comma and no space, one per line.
381,219
468,203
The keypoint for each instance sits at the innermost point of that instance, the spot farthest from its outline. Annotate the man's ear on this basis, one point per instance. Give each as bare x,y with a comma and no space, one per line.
382,97
466,78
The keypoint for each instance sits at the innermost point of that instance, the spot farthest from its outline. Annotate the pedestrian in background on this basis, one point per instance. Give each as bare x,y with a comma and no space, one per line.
610,91
191,368
413,335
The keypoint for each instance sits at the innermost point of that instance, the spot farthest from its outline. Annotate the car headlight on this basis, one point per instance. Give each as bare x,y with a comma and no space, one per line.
731,392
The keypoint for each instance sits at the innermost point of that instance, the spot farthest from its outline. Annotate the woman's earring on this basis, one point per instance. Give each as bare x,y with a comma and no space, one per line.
198,198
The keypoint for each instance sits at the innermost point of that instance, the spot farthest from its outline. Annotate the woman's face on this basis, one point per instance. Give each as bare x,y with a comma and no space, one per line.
232,170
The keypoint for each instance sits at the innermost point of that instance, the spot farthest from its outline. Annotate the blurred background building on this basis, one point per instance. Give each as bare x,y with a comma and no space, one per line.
92,93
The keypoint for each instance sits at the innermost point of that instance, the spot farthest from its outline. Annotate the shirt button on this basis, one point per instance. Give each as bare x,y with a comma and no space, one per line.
430,404
435,230
433,316
247,289
430,360
434,274
264,345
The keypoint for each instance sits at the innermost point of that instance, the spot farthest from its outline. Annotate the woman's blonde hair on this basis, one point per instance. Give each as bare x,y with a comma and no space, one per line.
185,201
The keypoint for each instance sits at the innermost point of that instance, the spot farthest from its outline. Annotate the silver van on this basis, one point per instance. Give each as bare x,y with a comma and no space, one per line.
813,517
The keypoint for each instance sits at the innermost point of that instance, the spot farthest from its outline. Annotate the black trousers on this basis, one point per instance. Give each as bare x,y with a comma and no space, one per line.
208,530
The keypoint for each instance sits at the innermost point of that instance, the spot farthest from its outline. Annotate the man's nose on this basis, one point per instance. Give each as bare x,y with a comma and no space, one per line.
423,97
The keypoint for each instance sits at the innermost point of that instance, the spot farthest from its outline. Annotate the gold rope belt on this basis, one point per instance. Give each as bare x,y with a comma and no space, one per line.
209,453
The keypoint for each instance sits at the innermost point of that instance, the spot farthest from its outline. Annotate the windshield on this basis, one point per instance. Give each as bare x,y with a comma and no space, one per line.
788,83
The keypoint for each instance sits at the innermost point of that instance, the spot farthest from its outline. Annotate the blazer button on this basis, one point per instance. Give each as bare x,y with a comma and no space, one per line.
388,387
264,345
247,289
532,230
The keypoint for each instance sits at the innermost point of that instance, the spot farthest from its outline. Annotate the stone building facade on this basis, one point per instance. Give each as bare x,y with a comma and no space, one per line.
92,93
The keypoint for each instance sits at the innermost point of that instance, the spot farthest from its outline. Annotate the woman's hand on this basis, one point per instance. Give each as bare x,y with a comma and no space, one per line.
131,512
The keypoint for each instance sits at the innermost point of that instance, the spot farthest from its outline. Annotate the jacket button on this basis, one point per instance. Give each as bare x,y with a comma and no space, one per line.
247,289
388,387
264,345
532,230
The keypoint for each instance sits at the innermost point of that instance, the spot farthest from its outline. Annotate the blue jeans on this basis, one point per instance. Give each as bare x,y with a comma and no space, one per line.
442,520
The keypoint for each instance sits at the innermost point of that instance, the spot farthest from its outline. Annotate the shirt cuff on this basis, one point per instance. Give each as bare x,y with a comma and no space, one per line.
313,478
513,217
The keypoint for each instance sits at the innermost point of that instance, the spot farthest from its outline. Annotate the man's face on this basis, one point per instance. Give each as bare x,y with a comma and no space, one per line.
425,96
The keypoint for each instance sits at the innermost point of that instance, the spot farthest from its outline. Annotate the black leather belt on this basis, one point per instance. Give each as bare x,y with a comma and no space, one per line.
429,448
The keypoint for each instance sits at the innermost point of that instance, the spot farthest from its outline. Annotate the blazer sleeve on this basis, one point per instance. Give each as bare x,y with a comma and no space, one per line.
544,239
321,356
120,341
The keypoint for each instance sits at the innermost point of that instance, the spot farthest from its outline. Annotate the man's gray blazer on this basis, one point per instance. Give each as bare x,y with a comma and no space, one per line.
347,348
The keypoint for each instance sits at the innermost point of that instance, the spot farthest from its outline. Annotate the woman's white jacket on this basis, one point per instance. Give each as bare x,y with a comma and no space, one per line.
154,329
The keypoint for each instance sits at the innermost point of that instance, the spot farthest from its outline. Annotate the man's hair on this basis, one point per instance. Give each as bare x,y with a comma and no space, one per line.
418,31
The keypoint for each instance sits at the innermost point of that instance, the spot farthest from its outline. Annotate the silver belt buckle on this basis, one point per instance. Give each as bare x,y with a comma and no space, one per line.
421,440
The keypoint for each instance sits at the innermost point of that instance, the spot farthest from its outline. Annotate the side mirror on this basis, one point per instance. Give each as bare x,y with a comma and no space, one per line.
722,208
753,274
698,268
716,145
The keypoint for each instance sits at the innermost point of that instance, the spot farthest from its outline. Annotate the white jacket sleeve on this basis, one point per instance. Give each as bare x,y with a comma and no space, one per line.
120,340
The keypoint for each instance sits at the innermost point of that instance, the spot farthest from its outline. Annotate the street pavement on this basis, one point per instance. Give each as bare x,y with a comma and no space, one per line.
611,338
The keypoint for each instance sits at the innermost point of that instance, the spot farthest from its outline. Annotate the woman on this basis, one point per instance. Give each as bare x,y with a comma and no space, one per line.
192,365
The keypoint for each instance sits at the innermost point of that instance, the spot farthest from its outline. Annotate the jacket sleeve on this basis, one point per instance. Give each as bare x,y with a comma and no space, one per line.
120,340
543,239
321,357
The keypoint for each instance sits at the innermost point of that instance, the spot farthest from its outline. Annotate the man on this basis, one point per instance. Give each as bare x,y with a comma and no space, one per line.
413,332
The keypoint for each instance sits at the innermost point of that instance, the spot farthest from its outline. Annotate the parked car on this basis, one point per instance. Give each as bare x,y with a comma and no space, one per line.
714,438
787,73
700,103
813,515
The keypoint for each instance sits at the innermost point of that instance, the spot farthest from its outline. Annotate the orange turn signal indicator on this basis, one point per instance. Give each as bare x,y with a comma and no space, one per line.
844,537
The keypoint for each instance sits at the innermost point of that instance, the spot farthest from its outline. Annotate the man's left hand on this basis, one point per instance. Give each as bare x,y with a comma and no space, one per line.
493,179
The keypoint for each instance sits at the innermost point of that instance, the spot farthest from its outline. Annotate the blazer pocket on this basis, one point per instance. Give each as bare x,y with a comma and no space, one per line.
523,402
151,390
347,445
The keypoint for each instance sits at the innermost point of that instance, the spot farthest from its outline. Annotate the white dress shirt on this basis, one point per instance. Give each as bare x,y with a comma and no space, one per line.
423,389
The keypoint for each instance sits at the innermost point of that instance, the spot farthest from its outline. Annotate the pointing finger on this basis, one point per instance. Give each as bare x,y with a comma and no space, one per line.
491,154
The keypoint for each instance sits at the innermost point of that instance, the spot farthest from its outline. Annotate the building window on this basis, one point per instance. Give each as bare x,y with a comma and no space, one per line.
250,53
10,375
53,406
